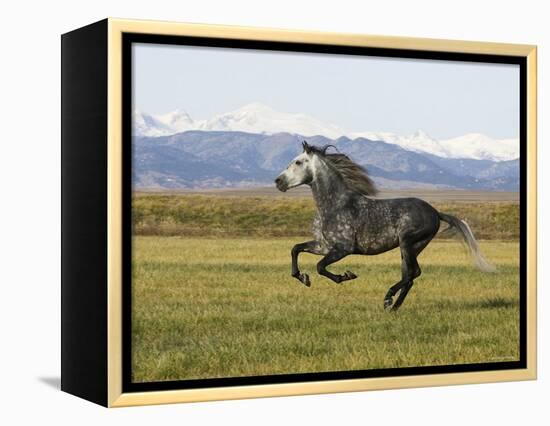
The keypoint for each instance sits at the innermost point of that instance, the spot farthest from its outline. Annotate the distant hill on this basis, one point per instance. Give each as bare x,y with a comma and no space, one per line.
218,159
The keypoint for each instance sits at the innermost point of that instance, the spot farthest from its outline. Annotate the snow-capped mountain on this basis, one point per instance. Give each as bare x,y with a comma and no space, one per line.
419,141
149,125
481,147
252,118
473,146
260,119
177,121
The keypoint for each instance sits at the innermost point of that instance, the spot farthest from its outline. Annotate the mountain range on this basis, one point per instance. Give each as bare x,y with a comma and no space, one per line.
256,118
229,158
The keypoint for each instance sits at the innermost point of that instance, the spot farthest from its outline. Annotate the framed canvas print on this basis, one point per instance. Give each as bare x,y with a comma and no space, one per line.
255,212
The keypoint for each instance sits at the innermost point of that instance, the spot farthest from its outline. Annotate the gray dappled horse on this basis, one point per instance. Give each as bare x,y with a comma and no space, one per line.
350,221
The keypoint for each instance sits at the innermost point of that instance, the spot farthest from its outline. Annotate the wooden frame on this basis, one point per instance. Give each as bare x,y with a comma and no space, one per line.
93,218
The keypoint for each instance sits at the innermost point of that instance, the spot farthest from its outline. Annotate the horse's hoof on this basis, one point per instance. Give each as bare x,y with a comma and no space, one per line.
387,303
303,278
348,275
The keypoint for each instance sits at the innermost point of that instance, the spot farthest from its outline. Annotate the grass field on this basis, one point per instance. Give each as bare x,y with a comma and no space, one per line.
278,216
221,307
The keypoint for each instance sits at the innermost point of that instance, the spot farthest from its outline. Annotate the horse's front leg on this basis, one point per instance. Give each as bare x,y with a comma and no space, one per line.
334,255
309,247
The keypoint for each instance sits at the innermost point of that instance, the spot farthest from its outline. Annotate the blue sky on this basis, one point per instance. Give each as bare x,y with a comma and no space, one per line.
445,99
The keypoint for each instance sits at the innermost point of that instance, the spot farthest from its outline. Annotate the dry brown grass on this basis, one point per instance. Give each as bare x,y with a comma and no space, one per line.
194,215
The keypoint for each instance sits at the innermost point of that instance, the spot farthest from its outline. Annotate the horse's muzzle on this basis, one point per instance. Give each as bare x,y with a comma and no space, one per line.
281,184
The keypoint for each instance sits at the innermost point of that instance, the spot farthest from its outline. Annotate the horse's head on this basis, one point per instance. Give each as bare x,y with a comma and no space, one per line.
300,171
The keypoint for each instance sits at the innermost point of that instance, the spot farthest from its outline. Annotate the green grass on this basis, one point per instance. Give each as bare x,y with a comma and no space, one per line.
212,307
218,216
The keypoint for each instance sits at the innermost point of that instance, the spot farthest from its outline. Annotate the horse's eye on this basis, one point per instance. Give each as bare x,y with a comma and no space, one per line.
298,163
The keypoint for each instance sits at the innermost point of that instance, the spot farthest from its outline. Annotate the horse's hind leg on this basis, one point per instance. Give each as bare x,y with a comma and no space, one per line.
334,255
388,299
402,295
413,271
309,247
410,271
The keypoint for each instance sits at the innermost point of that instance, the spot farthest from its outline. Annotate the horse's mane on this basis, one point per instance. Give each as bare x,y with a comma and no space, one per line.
354,176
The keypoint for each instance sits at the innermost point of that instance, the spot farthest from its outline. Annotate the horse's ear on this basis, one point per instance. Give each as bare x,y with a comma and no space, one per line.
307,148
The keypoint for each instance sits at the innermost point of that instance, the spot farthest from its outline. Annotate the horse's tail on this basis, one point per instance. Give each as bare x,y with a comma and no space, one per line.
463,228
